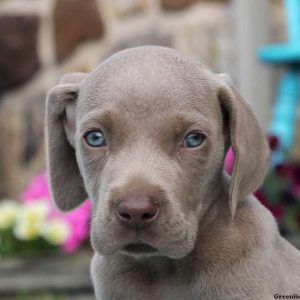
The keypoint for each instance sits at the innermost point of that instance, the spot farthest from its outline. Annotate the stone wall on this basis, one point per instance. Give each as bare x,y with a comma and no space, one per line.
42,39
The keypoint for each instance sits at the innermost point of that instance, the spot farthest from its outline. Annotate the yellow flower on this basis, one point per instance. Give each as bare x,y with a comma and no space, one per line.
56,231
30,220
26,231
8,212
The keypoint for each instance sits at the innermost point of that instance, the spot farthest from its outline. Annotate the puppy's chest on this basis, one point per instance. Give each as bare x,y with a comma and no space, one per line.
138,286
140,282
133,288
115,280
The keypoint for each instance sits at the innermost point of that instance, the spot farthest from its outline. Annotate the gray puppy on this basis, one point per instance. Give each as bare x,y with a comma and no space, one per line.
144,136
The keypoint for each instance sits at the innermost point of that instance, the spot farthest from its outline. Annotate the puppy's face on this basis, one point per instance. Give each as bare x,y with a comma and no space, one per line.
149,136
157,140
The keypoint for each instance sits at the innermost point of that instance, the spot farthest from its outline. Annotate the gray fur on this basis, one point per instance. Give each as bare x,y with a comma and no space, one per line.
214,240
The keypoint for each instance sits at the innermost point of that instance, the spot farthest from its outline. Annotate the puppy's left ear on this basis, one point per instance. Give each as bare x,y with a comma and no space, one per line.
65,179
248,142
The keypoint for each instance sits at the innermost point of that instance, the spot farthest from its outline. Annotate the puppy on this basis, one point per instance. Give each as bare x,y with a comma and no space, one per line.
144,136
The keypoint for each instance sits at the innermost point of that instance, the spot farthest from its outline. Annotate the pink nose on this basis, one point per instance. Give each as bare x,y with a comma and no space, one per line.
137,212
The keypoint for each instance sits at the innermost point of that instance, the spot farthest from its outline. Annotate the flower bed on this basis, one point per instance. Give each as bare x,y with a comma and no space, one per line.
34,225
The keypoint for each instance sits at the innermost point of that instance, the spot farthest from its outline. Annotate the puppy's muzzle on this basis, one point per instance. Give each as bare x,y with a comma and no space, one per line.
137,212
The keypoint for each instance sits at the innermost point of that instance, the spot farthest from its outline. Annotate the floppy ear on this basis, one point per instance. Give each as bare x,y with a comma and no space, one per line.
65,179
248,142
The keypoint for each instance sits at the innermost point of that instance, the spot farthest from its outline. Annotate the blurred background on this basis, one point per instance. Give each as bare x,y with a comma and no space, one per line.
44,254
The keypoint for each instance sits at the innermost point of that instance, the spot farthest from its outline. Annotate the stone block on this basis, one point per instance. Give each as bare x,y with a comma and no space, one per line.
18,49
22,153
176,4
75,21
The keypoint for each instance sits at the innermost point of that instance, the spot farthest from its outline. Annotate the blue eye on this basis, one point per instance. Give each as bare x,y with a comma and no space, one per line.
193,139
95,138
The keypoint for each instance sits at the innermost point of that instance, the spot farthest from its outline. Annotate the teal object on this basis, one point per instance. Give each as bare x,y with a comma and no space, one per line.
284,115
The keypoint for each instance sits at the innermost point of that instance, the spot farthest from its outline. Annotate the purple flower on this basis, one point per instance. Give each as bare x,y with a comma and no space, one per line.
297,174
277,210
288,198
273,142
285,170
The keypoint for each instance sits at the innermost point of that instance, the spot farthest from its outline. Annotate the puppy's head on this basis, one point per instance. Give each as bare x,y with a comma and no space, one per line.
145,136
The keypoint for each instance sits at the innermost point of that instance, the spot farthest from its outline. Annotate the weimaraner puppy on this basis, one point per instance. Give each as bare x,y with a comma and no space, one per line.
144,136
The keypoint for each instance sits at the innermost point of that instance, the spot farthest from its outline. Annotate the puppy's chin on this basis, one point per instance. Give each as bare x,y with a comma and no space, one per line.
143,248
143,251
140,250
174,242
176,252
131,247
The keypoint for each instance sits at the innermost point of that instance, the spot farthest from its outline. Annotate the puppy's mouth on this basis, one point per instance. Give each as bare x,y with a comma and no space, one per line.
139,248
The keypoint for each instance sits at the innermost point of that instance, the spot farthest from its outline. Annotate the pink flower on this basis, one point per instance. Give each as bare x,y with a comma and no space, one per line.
37,189
78,219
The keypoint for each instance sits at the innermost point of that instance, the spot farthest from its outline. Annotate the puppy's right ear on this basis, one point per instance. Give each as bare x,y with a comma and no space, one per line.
65,180
248,142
